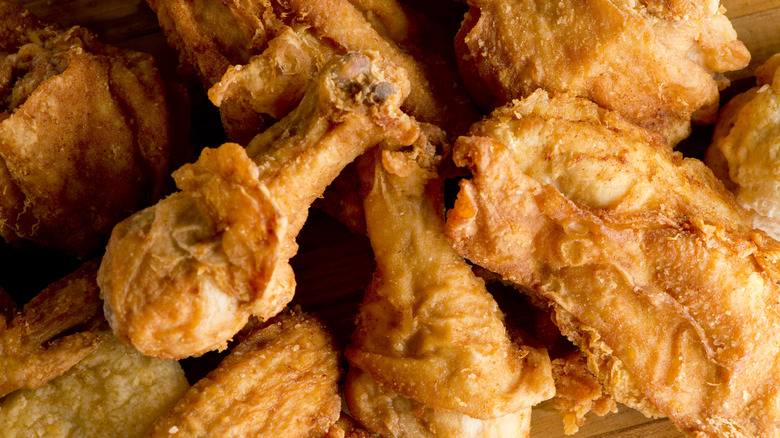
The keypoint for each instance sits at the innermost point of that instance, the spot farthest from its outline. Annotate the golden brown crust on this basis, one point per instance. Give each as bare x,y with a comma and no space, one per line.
255,56
390,414
578,392
281,380
36,343
654,62
84,136
114,389
430,339
745,145
180,278
648,265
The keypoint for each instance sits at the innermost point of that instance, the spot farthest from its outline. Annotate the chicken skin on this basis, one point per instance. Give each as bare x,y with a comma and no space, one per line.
281,380
745,145
182,277
648,265
431,355
658,63
255,57
86,135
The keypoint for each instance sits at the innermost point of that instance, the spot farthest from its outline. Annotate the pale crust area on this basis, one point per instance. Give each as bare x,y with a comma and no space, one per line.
181,277
84,134
431,355
280,380
115,390
649,265
746,146
658,63
51,333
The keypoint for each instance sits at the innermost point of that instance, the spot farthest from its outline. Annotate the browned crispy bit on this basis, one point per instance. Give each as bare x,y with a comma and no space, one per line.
280,380
36,344
577,392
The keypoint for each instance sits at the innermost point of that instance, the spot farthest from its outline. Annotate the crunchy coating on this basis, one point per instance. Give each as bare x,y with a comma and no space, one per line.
84,134
51,333
180,278
745,145
390,414
650,267
431,341
114,391
255,56
281,380
578,392
658,63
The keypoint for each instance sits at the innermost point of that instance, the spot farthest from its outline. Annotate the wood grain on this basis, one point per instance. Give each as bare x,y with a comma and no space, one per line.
334,266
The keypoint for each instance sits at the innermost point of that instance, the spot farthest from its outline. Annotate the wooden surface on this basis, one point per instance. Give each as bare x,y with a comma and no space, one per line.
334,266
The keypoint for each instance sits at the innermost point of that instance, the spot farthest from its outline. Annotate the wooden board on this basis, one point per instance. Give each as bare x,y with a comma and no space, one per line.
334,266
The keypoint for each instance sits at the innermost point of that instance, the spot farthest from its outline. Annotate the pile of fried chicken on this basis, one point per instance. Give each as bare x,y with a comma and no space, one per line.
552,125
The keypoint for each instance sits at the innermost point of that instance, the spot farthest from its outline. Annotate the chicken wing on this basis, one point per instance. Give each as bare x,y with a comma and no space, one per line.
745,145
51,333
85,134
280,381
182,277
658,63
114,391
431,355
649,266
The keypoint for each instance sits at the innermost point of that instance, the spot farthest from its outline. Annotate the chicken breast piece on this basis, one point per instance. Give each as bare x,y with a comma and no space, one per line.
649,266
658,63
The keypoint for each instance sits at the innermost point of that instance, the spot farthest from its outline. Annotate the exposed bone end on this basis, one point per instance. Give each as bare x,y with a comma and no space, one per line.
182,277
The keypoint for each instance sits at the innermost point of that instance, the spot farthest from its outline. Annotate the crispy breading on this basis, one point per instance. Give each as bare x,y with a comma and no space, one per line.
431,352
51,333
281,380
84,134
182,277
578,392
745,145
113,391
256,56
390,414
649,266
658,63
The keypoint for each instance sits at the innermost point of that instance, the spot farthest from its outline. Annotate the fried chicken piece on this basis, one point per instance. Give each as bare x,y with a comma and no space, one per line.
280,381
182,277
113,391
431,355
390,414
256,56
745,145
38,343
649,266
658,63
85,134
